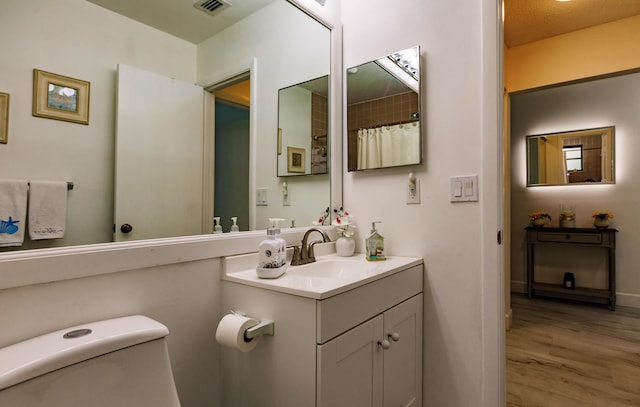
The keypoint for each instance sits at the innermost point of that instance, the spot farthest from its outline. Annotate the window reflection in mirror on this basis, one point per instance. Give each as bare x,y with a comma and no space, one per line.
574,157
303,128
383,112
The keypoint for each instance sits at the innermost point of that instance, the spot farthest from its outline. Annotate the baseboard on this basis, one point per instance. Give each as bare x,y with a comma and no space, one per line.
628,300
518,287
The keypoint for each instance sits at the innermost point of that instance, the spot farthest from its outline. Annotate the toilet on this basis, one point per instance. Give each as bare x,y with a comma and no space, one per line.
116,362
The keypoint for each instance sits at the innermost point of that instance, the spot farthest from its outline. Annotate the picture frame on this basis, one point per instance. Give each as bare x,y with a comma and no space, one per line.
60,97
295,159
4,118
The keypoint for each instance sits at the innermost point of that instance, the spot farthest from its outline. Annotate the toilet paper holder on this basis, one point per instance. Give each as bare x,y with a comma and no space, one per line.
265,327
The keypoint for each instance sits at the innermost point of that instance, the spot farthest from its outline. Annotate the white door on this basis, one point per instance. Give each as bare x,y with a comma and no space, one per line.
403,359
159,156
350,368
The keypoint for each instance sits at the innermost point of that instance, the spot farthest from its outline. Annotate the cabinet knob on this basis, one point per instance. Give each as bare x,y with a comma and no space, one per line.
385,344
126,228
394,336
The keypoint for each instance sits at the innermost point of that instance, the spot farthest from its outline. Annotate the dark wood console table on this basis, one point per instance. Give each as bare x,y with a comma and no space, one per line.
591,237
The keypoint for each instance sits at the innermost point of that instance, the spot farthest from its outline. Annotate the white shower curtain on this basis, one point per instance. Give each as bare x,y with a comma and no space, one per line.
388,146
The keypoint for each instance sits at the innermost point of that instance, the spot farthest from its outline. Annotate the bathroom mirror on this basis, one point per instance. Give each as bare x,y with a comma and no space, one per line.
86,155
303,128
383,112
581,157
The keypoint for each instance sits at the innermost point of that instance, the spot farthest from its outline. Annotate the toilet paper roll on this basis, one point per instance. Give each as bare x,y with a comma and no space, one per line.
231,330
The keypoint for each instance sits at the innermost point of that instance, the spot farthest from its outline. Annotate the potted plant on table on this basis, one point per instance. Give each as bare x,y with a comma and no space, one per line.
539,218
601,219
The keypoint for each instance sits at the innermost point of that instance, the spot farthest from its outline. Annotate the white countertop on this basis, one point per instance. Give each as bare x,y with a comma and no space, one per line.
328,276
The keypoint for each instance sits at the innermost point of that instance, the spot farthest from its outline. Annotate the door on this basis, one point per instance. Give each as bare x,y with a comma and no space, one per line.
403,358
350,368
159,156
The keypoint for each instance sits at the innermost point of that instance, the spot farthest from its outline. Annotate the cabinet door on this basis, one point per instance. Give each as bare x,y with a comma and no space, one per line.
350,368
403,360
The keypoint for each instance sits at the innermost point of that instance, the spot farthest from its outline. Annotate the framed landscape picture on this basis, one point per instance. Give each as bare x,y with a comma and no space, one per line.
60,97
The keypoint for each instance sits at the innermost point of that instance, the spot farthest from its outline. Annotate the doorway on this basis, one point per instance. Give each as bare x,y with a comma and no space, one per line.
231,145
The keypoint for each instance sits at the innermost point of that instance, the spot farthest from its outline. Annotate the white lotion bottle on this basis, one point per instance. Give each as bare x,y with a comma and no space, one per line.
234,224
216,225
271,254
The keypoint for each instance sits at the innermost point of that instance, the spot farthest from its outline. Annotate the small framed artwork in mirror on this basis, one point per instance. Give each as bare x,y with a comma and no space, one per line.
4,117
60,97
295,159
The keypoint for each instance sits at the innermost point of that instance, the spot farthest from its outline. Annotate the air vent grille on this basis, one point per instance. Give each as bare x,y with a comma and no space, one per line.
211,7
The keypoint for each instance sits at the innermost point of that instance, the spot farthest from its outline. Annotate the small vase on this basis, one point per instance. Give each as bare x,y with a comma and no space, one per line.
600,223
345,246
540,222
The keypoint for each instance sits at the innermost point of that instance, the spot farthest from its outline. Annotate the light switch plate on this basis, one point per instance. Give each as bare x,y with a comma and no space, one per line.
464,189
262,197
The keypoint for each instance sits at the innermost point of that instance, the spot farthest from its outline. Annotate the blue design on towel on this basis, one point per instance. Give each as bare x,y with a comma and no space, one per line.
9,227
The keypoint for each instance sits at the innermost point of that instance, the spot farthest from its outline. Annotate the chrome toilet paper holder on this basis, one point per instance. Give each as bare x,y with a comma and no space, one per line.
265,327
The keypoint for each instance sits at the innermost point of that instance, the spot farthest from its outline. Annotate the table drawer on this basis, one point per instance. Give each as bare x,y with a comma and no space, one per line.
569,237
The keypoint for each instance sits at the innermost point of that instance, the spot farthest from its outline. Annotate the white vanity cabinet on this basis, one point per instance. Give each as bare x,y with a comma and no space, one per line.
329,350
377,363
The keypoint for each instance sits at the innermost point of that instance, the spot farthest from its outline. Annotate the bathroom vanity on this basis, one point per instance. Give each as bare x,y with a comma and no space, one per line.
347,332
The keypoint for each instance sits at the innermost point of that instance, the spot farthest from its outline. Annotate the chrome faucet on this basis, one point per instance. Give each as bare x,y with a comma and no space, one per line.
304,254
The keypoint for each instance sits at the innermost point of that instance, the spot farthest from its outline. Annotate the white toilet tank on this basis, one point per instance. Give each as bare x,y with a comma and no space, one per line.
113,363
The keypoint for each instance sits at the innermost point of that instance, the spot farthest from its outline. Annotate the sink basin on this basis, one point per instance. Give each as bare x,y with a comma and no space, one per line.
328,276
334,269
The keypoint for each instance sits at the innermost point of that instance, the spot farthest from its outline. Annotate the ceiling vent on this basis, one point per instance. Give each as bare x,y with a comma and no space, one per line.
211,7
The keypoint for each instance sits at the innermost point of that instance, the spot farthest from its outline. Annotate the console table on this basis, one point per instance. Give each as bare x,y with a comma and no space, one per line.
590,237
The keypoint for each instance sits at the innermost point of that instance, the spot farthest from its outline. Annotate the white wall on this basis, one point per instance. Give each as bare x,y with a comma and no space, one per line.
460,87
606,102
78,39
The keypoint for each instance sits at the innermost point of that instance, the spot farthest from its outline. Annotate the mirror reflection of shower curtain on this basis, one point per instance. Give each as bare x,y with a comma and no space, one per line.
389,146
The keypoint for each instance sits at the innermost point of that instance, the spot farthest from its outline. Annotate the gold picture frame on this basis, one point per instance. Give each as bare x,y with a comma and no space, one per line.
60,97
295,159
4,118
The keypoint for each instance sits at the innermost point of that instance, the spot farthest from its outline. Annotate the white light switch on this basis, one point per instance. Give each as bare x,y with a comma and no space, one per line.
262,197
464,189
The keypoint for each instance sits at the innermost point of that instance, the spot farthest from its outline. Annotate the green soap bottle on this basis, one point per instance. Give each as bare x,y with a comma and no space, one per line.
375,244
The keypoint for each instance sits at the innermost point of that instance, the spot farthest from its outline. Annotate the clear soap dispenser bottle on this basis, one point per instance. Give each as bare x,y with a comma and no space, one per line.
271,253
375,244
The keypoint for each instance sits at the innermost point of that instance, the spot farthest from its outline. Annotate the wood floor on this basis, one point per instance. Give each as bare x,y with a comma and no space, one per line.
571,354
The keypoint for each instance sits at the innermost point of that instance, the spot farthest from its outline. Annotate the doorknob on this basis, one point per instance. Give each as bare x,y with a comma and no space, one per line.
126,228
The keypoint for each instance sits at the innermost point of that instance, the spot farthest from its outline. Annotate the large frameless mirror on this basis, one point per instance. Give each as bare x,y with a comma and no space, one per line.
383,112
574,157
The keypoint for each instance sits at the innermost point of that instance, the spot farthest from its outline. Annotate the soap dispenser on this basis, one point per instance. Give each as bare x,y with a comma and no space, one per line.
216,225
234,224
375,244
271,253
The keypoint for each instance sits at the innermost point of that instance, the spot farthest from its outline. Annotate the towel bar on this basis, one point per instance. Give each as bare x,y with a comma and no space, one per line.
69,185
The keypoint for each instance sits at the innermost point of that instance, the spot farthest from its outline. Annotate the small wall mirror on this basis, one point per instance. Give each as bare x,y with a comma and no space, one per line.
303,126
383,112
574,157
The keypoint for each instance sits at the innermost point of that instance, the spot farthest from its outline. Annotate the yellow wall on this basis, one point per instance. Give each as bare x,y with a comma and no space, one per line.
599,50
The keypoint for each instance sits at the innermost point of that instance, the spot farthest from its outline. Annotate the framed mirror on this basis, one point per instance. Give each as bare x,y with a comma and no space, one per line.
580,157
303,128
383,112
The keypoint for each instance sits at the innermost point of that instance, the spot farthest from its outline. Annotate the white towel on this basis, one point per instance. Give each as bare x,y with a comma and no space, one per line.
13,211
47,209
